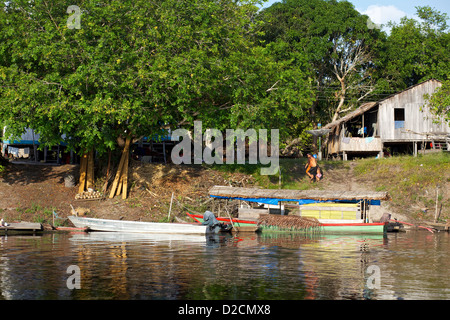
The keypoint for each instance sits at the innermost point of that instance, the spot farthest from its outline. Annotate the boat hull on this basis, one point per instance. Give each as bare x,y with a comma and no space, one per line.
331,227
94,224
354,227
338,228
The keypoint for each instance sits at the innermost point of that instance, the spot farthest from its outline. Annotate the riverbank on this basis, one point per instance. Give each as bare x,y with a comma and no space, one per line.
33,192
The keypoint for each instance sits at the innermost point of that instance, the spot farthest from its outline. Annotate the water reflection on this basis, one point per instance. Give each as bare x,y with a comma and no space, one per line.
247,266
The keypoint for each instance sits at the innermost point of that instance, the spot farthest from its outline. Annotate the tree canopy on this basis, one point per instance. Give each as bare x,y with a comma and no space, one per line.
417,50
115,68
335,40
135,66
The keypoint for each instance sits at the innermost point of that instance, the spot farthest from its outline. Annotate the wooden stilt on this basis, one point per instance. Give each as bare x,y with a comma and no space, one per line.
90,170
117,178
120,184
121,167
83,166
125,178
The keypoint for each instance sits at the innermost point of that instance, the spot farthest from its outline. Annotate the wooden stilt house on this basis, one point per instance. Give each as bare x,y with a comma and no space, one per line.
400,123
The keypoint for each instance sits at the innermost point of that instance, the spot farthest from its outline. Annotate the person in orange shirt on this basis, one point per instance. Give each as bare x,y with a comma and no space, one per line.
312,169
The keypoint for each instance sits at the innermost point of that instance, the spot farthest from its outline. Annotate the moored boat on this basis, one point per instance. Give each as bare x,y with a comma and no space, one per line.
319,210
337,226
94,224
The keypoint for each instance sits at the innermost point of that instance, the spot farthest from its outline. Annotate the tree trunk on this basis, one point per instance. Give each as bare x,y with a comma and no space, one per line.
341,99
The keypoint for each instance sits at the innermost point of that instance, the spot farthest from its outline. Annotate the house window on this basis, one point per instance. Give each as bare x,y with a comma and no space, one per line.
399,118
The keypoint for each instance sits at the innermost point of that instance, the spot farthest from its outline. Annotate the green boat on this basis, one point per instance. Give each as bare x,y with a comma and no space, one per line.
330,211
326,227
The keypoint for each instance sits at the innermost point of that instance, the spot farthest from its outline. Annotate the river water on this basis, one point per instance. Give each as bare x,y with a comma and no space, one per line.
88,266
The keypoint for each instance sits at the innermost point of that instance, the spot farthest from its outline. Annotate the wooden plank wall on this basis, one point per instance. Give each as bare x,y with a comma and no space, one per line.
416,119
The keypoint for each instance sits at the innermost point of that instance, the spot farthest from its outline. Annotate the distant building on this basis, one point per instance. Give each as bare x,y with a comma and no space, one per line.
155,148
26,149
400,123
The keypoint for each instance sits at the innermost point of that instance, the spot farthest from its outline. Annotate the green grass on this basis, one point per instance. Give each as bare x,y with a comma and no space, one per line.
408,171
411,181
39,213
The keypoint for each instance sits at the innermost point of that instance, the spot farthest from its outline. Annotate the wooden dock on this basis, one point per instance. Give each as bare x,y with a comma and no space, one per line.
21,227
293,195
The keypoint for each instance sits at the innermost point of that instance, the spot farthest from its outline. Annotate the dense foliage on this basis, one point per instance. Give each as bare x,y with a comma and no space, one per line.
137,66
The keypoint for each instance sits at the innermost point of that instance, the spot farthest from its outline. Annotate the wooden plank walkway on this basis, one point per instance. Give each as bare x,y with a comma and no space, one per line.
323,195
15,227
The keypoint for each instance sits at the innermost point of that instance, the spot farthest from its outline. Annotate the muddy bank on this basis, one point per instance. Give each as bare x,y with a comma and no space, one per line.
33,192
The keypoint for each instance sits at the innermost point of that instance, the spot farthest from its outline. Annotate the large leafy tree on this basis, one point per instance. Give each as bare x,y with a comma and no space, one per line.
417,50
439,101
339,47
133,66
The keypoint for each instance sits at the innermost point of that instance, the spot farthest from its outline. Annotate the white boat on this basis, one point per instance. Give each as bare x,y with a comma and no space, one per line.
94,224
130,237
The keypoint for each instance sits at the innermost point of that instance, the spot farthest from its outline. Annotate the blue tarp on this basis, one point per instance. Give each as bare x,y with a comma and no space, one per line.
275,201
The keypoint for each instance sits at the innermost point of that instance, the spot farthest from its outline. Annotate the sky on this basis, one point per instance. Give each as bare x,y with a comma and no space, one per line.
383,11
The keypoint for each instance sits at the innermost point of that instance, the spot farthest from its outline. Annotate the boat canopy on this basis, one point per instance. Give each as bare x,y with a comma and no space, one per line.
275,196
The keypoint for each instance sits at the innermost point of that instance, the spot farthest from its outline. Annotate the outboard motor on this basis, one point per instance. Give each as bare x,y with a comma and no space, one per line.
214,226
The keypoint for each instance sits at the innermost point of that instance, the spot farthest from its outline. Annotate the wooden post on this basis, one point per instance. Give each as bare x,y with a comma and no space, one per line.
164,151
279,177
121,166
83,166
120,184
109,164
125,177
170,208
436,216
363,125
90,169
117,178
